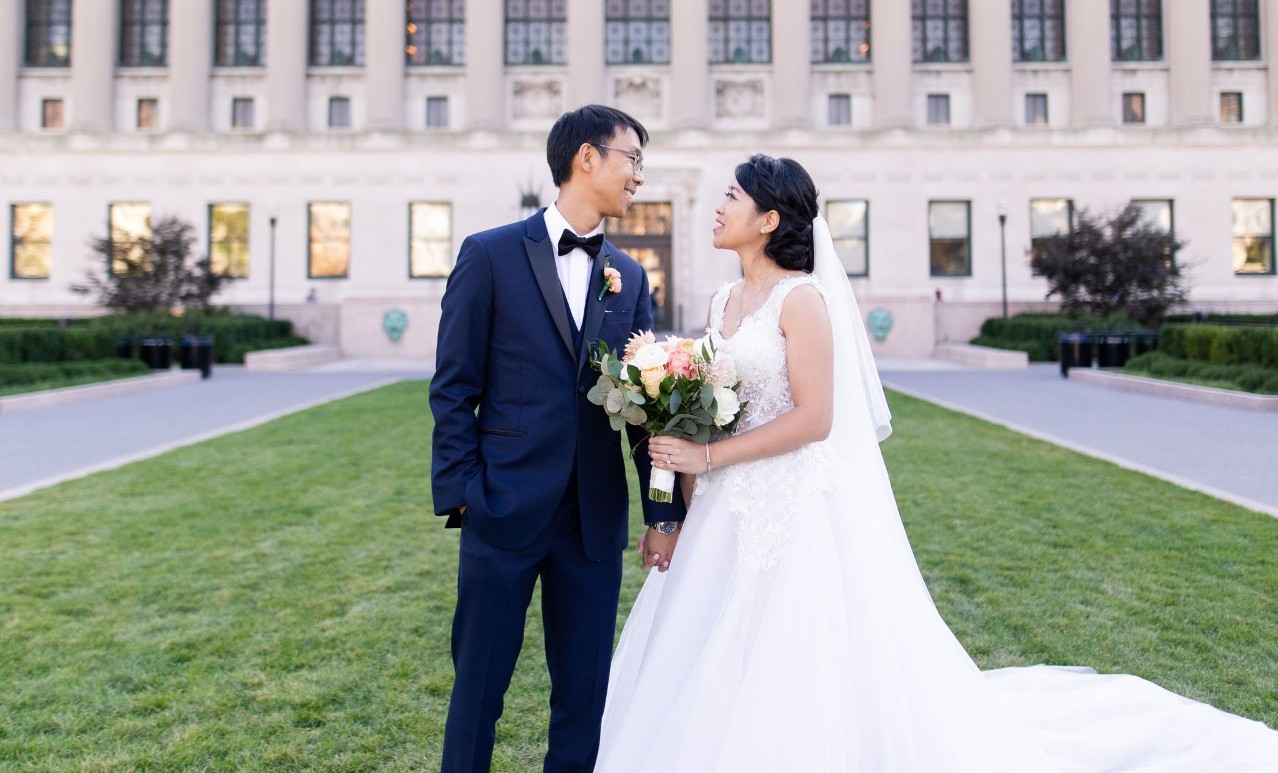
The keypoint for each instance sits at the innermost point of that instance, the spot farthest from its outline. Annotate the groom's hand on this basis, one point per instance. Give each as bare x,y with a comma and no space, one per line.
655,549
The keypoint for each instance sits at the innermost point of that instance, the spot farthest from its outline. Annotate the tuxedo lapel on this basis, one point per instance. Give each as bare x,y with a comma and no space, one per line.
542,259
594,306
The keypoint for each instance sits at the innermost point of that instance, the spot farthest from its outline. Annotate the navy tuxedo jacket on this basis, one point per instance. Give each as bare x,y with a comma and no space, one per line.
509,394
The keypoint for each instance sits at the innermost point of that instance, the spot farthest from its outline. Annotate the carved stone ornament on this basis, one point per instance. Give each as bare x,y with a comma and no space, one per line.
538,99
639,94
739,99
394,323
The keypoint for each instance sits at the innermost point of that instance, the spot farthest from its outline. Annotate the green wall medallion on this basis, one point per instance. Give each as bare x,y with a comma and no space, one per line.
394,323
879,323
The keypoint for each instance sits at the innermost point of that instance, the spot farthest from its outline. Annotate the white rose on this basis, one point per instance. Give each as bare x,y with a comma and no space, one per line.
723,371
650,356
726,406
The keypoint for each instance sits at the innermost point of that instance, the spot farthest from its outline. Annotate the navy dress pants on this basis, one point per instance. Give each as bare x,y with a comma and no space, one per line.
579,613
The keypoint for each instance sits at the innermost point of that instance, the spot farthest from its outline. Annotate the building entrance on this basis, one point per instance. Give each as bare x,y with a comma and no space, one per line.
645,233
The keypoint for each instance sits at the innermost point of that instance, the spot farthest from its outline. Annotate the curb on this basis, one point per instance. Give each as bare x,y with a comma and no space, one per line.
80,394
1161,388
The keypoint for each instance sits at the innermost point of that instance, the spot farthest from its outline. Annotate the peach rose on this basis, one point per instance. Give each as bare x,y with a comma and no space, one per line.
613,277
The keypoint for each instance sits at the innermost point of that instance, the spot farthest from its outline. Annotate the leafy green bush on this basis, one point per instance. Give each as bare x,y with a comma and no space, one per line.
1223,319
31,373
54,344
1249,378
1221,345
1036,334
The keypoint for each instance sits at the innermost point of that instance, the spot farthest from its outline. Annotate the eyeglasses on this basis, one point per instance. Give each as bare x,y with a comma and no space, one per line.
636,159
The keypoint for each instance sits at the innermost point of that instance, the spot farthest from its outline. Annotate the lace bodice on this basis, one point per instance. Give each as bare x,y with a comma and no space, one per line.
766,495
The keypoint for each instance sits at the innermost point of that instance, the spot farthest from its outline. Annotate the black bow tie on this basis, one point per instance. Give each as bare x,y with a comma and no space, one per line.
570,241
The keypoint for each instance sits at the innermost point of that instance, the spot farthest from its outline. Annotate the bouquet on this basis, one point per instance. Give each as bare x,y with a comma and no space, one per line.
677,387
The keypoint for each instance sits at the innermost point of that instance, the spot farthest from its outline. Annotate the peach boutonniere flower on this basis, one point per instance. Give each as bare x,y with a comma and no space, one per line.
612,280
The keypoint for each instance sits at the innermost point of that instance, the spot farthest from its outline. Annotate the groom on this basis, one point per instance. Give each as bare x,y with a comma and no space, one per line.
523,463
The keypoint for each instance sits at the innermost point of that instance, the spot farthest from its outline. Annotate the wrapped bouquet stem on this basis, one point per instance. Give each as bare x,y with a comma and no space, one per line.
678,387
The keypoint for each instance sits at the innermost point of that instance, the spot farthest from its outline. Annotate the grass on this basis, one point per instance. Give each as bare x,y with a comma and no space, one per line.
280,599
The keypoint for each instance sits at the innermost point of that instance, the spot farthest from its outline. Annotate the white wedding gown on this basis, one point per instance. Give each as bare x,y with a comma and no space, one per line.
793,632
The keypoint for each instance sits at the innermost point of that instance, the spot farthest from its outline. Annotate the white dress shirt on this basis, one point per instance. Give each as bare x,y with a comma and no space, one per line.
574,268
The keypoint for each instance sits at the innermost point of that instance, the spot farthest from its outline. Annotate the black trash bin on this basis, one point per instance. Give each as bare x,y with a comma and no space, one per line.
156,352
1113,350
1075,351
196,352
124,347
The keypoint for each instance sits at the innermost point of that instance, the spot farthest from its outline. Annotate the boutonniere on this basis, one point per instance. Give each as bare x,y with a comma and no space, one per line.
612,279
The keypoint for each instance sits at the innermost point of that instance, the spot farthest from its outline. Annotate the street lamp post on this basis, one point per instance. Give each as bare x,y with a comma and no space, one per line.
1002,238
270,306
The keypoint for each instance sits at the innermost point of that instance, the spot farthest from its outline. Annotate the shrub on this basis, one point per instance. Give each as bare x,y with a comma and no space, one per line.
1036,334
1249,378
1221,345
31,373
54,344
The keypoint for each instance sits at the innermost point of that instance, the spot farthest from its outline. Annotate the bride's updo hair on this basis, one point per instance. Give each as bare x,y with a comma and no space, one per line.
782,184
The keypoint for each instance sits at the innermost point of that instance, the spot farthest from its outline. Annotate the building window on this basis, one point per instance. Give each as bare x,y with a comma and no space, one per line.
144,32
1231,107
339,112
148,117
1159,213
940,31
337,33
536,32
328,239
31,243
646,234
48,41
128,224
938,109
430,236
740,31
52,115
437,112
1253,236
949,225
840,31
1049,218
242,113
1035,109
1038,30
1235,30
1134,107
849,222
637,32
1136,30
436,33
840,107
229,240
240,40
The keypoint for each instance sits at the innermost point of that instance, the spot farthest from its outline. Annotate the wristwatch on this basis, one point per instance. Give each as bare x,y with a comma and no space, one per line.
665,527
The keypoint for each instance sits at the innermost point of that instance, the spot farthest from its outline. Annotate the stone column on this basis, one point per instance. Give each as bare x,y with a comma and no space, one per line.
95,31
1269,46
587,78
892,54
1188,34
791,65
287,38
385,36
190,47
485,65
11,26
689,82
990,41
1087,42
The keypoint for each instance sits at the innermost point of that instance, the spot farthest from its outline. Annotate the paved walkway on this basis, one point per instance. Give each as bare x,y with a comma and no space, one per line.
1230,453
42,447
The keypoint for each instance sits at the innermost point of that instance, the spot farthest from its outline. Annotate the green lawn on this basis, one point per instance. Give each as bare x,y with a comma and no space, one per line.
280,599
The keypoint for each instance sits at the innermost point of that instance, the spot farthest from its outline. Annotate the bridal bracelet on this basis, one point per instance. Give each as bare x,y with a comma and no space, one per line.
707,457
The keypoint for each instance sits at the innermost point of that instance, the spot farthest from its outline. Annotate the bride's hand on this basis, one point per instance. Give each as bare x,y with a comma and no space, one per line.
677,455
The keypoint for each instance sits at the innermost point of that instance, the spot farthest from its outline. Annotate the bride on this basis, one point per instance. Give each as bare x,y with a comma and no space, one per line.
792,630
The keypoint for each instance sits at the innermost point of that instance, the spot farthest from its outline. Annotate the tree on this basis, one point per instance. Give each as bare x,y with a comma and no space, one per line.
1110,263
151,272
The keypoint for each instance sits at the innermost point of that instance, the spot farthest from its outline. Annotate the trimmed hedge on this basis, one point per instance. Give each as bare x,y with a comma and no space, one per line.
1222,319
54,344
1248,378
31,373
1036,334
1221,345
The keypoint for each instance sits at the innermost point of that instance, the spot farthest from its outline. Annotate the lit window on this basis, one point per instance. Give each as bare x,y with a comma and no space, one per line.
940,30
637,32
536,32
437,112
1049,218
329,239
1253,247
849,221
436,33
129,225
242,113
840,106
31,241
740,31
229,239
339,112
1231,107
840,31
144,32
51,114
1036,110
337,33
949,225
1134,107
430,226
148,117
938,109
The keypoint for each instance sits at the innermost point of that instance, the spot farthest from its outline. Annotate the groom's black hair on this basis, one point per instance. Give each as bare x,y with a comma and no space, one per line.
589,125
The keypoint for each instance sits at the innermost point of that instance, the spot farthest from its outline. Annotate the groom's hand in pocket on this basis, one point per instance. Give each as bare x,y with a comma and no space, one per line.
655,549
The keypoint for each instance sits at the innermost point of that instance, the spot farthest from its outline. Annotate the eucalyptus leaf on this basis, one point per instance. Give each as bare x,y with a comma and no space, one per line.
707,398
615,401
617,423
676,400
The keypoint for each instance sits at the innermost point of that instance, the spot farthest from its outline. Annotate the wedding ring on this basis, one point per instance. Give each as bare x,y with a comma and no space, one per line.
669,459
